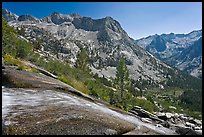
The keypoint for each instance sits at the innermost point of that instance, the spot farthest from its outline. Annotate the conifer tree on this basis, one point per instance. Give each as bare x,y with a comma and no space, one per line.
122,78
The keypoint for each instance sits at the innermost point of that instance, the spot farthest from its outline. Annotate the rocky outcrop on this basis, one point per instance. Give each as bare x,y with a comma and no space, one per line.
183,125
136,110
187,131
22,79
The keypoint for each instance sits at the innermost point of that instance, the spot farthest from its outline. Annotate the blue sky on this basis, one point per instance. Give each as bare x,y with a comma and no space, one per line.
138,19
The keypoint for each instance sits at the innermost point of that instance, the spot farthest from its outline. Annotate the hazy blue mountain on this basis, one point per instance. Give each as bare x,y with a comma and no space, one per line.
183,51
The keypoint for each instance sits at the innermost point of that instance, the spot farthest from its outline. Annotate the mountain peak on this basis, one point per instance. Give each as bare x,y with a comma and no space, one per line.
55,13
9,16
58,18
109,18
28,17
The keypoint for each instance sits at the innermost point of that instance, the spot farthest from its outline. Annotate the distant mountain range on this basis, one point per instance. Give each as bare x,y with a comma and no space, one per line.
183,51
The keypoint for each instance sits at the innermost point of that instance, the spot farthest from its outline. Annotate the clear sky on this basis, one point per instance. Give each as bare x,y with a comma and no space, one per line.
138,19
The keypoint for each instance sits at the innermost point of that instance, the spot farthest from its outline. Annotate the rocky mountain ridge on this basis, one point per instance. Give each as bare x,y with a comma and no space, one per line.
183,51
104,39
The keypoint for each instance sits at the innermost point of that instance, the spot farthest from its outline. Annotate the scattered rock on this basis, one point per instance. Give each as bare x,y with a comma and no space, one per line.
158,125
163,117
191,119
172,121
147,120
187,124
140,112
197,121
186,131
197,128
190,124
183,118
169,115
176,115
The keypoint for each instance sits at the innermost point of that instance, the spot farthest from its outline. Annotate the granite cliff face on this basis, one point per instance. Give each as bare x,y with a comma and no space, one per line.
105,41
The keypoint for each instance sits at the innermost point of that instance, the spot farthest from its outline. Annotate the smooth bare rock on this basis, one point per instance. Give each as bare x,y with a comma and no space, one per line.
40,111
22,79
142,131
110,132
35,104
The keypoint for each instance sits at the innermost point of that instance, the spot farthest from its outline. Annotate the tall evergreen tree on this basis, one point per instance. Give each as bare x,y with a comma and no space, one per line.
122,78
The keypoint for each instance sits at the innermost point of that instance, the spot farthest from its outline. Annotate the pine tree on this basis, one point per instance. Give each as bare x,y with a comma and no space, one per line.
122,78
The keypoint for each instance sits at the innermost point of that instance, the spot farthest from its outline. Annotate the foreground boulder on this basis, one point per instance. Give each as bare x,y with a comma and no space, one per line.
35,104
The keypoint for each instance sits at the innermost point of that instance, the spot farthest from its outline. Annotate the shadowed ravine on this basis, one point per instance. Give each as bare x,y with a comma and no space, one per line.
48,111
